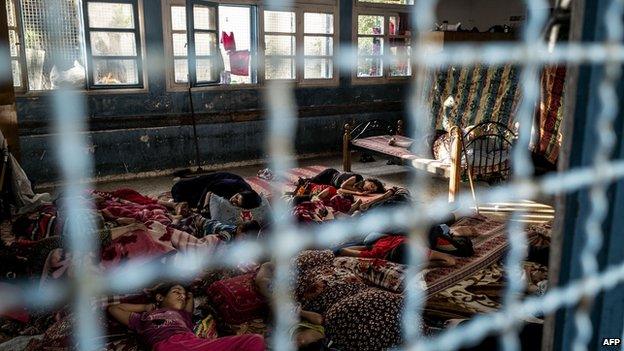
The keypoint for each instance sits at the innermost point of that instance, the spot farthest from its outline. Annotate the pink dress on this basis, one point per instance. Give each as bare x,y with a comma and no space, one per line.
171,330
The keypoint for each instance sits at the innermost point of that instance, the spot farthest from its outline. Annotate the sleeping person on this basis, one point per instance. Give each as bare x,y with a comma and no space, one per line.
166,325
347,183
394,248
226,185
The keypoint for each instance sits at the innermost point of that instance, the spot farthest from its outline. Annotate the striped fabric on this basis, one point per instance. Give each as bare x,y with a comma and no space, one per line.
482,93
550,113
491,93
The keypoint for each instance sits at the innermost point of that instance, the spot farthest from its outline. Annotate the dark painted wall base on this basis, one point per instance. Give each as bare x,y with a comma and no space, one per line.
129,151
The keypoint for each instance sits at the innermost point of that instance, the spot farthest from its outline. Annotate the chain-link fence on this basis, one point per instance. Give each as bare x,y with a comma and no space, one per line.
532,52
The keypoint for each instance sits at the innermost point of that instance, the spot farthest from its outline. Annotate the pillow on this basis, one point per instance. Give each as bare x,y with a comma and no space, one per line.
223,211
237,300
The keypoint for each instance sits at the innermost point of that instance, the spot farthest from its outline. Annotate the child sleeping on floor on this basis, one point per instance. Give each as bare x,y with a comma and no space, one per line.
166,325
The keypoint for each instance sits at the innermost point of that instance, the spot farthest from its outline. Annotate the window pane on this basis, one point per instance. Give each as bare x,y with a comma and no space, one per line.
280,45
41,42
369,67
178,17
279,21
236,20
318,46
204,17
110,15
205,70
394,2
17,73
318,23
13,40
393,25
115,72
370,24
400,54
10,7
205,44
179,45
370,46
180,70
113,44
318,69
280,68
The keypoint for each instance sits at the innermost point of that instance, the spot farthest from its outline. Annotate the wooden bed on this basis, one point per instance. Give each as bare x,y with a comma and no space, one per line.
481,152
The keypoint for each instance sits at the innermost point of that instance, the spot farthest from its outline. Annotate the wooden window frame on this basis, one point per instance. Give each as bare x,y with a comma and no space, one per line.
21,56
138,58
299,7
387,11
335,46
171,84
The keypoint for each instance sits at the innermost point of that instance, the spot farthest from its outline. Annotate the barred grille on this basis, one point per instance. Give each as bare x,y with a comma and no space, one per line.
531,53
52,37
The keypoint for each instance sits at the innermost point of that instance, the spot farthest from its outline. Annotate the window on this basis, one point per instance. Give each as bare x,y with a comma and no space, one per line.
399,43
283,37
379,36
113,43
390,2
297,44
53,54
370,43
205,63
14,44
225,44
318,45
49,47
178,38
238,48
279,45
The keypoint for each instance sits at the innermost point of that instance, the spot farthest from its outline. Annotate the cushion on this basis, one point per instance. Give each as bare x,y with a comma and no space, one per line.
223,211
237,300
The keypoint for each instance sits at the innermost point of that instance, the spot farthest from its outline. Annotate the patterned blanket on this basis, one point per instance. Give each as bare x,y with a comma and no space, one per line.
286,183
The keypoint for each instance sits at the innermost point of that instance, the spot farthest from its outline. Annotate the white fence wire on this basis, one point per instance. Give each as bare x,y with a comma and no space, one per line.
287,239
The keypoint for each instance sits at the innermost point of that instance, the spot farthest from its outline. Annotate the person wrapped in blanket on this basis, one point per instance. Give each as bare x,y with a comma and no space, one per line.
226,185
309,333
166,325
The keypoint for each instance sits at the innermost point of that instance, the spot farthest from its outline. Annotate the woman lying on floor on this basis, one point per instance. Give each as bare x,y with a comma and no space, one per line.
226,185
347,183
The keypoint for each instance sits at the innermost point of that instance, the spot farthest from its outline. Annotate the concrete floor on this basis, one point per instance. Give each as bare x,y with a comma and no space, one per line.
392,175
388,174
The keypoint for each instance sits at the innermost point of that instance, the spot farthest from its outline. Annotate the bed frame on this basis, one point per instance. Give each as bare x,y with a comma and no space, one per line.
371,136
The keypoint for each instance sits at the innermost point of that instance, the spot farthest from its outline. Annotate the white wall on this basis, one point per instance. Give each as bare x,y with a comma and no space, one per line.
481,13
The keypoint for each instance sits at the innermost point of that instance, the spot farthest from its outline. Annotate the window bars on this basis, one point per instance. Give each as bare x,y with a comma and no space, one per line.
532,53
